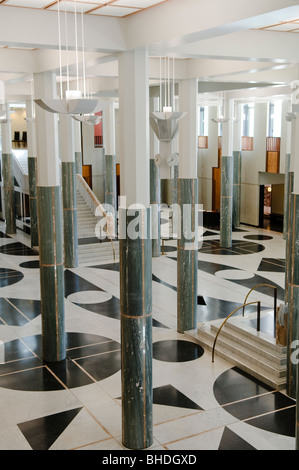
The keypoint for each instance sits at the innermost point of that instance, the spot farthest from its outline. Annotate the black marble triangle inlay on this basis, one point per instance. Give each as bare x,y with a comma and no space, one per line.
41,433
169,396
231,441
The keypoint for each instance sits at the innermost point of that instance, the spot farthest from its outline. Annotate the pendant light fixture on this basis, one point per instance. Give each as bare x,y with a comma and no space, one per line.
165,122
74,101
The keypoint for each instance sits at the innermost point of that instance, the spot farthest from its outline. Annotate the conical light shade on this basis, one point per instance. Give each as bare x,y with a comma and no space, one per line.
165,125
76,106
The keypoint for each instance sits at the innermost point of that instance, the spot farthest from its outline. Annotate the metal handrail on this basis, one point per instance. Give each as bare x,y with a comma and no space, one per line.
241,306
275,300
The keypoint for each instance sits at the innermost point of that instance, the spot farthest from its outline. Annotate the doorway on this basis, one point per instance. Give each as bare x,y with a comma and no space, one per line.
271,207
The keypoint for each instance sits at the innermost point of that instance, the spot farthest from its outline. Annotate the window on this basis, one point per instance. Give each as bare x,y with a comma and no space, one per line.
203,120
203,129
247,126
274,119
248,120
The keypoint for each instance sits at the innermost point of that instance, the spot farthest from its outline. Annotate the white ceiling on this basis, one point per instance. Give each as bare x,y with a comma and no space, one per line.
231,44
117,8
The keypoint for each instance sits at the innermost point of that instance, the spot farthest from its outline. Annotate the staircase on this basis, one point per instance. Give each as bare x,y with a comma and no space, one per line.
254,352
22,157
91,249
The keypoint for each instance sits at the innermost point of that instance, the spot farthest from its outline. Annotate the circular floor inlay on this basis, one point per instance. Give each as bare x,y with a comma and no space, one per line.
239,247
9,276
234,274
30,264
258,237
261,406
176,351
89,297
89,359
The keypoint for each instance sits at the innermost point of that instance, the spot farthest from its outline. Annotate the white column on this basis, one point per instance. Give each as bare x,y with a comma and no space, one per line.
77,135
109,129
31,129
227,128
295,153
154,141
47,132
134,126
67,148
6,133
77,145
32,170
237,128
188,125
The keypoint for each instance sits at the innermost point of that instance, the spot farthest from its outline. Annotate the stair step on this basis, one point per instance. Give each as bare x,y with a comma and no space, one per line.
252,351
255,348
91,253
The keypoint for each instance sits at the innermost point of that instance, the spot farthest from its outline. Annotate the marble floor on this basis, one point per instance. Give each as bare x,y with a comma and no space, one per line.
198,405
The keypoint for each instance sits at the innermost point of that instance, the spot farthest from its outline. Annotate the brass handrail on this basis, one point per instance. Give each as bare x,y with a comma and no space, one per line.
275,300
241,306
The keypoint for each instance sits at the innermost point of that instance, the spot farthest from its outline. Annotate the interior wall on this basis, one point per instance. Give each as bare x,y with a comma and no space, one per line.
254,162
253,172
18,123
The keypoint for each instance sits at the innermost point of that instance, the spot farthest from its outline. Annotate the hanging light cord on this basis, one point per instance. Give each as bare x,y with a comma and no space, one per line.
59,45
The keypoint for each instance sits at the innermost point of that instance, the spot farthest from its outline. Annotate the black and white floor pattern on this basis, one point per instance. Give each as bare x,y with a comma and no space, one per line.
76,404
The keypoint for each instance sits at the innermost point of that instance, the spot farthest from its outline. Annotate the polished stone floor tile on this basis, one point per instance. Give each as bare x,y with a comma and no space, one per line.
259,405
15,350
69,374
272,265
280,422
102,365
17,249
38,379
9,276
234,385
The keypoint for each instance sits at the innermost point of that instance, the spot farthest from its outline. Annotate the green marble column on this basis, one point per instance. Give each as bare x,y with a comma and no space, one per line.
293,293
110,187
68,174
187,258
287,217
226,198
236,188
8,193
32,175
155,201
136,328
286,194
51,273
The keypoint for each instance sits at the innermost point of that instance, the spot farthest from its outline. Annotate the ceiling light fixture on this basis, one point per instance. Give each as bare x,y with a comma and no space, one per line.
74,101
165,122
